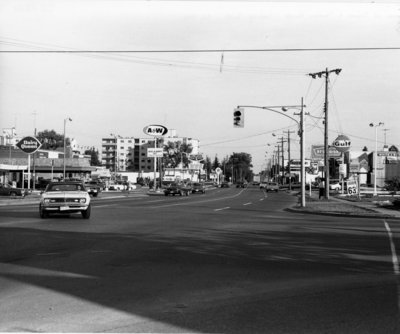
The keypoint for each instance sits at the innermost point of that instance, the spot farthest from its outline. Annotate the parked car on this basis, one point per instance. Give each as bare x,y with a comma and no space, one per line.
7,190
198,187
271,186
225,184
263,185
116,186
65,197
93,188
175,188
335,186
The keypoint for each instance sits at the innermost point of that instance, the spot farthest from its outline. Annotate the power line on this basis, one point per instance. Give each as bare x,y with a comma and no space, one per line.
206,50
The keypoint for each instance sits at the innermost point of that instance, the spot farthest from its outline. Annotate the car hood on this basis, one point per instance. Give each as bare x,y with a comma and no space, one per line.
61,194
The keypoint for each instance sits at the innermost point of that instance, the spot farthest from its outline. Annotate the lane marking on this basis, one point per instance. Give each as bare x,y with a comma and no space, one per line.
225,208
184,202
395,259
249,203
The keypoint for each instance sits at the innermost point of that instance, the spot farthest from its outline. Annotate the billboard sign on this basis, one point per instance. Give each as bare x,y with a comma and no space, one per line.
29,144
342,143
317,152
155,152
155,130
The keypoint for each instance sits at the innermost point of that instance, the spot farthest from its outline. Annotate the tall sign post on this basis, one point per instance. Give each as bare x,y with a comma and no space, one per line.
29,145
342,143
156,131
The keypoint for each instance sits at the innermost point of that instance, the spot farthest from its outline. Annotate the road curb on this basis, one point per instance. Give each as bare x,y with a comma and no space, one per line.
349,215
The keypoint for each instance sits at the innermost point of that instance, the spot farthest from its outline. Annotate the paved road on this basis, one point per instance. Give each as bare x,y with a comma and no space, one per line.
230,261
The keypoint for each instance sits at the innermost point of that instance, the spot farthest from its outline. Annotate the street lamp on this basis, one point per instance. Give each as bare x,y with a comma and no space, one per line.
65,122
301,134
376,151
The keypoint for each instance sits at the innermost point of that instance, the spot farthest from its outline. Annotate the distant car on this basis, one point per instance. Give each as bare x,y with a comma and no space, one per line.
225,185
93,188
335,186
65,197
263,185
7,190
241,184
175,188
272,186
116,186
198,187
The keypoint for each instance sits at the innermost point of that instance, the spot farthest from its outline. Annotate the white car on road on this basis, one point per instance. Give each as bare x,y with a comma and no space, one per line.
63,198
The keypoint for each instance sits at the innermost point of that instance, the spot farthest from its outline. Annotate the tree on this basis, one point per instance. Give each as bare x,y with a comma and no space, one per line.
176,153
215,163
51,140
94,157
207,165
240,164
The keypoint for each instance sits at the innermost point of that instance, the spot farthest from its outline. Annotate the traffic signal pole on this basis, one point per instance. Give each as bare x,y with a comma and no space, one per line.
326,146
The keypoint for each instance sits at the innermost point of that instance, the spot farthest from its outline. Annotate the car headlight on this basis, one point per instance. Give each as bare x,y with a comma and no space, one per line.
46,201
83,200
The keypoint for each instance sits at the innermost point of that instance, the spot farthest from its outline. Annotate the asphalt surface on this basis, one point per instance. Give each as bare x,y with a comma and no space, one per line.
230,261
371,209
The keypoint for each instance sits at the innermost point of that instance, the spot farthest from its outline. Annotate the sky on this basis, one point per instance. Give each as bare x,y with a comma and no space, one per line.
118,66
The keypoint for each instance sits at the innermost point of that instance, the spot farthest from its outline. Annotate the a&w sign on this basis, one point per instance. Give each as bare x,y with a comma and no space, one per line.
155,130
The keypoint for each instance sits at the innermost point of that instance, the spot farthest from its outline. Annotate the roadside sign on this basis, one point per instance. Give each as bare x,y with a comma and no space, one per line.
53,155
218,170
342,143
29,144
155,152
351,187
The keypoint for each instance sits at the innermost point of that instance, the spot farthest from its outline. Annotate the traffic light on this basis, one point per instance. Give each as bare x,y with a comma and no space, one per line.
238,118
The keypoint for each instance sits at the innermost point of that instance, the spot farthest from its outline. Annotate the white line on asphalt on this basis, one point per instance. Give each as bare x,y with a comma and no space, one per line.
247,203
225,208
395,259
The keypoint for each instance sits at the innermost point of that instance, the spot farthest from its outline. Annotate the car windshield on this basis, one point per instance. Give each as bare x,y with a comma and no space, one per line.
65,187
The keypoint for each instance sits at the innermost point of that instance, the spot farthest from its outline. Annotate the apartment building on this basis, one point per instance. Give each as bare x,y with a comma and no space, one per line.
129,154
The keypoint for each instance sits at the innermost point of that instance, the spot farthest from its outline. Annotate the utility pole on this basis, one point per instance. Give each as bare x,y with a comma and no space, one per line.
326,145
283,158
278,165
289,165
34,154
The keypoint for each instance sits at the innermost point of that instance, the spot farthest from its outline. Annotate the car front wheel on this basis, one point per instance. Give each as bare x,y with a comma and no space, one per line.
42,212
86,213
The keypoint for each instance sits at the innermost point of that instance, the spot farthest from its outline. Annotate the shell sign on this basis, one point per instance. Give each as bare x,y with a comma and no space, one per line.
342,143
155,130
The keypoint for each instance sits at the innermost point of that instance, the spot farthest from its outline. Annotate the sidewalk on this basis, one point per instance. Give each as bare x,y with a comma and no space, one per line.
349,206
